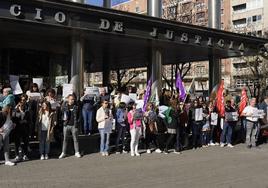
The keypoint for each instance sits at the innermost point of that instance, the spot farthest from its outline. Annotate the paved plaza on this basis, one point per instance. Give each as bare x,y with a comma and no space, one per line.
206,167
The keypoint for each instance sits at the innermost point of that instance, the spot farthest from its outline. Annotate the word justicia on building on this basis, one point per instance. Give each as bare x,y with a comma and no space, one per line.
104,24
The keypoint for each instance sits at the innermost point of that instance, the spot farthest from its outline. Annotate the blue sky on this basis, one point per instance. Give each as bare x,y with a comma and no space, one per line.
99,2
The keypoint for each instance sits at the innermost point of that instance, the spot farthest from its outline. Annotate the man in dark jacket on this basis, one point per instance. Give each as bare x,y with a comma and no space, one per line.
70,112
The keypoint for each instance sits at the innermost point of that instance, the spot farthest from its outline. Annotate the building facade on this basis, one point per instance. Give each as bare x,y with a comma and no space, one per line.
249,17
192,12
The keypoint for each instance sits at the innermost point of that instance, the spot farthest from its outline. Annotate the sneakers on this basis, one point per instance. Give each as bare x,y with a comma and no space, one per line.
9,163
230,145
222,145
166,152
46,157
62,155
212,144
106,153
148,151
118,152
132,154
124,151
17,158
158,151
42,157
217,144
177,152
102,154
25,158
77,154
137,154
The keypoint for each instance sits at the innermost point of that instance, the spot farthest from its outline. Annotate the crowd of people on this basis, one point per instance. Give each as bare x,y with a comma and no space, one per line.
170,126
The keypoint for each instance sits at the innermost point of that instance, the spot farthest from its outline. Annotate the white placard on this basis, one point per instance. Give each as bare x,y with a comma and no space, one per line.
34,96
133,96
60,80
39,82
198,114
92,91
125,98
258,113
214,118
231,116
13,78
15,85
139,103
67,90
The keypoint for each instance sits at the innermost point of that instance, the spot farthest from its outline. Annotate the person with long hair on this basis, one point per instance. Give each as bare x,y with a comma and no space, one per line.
104,118
150,119
172,123
6,126
34,97
135,117
21,118
46,124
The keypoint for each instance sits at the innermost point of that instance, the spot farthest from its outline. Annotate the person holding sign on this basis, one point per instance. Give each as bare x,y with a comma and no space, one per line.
196,118
231,117
88,105
252,128
34,97
104,118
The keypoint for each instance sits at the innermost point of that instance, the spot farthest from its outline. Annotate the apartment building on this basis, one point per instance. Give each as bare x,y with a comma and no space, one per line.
249,17
186,11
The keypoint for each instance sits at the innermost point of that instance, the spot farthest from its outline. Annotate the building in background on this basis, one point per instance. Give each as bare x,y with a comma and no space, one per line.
249,17
193,12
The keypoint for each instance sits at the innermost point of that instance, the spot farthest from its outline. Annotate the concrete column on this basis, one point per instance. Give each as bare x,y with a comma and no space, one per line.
107,4
106,64
106,68
77,64
214,12
156,60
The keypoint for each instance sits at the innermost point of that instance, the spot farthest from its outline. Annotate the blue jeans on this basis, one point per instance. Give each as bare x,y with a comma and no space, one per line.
87,118
227,132
44,144
105,138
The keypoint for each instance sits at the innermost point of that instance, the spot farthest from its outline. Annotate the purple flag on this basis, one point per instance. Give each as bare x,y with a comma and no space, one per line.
180,87
147,94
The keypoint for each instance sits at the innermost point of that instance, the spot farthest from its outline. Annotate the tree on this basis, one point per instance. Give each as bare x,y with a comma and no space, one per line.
123,77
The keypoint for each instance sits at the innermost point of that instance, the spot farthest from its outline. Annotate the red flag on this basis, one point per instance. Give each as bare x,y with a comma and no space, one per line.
243,102
220,99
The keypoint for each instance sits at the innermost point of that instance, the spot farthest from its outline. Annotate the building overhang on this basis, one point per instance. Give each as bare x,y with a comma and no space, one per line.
122,39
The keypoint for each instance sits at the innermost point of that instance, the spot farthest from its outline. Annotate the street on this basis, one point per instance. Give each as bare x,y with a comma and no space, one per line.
206,167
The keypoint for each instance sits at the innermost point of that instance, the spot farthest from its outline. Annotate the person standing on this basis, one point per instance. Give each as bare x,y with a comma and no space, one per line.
172,123
70,112
21,118
104,118
135,117
196,118
150,119
88,101
46,123
121,117
231,117
6,127
252,127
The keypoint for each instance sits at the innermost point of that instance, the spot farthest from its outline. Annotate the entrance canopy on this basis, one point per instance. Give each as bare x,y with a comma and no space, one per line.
121,39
